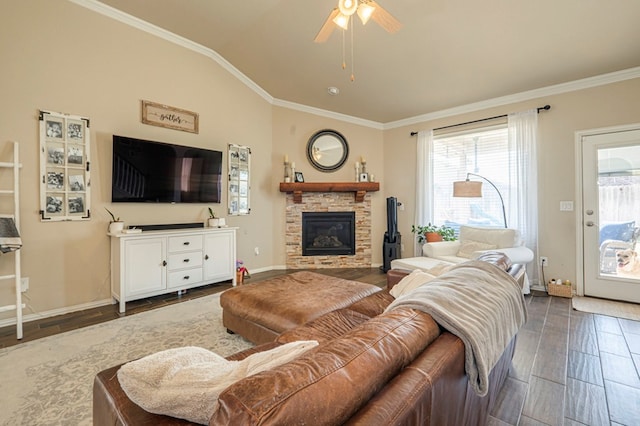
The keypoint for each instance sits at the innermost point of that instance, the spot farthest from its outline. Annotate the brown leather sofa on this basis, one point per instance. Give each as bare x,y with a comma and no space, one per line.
371,368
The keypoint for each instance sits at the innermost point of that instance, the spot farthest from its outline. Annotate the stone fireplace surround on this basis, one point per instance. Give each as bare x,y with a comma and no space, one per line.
327,202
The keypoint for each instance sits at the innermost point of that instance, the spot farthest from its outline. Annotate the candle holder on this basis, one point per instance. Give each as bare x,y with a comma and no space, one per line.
287,174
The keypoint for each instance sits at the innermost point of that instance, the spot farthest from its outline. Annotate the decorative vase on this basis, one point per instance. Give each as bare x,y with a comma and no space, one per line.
433,237
116,227
213,222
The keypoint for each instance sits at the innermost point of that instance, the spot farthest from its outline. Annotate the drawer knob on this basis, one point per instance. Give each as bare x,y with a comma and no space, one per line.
186,243
164,263
186,260
186,277
206,257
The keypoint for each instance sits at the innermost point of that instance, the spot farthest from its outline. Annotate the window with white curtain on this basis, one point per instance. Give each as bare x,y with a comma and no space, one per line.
484,152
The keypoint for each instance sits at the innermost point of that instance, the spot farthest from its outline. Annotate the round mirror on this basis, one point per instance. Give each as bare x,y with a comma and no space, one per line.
327,150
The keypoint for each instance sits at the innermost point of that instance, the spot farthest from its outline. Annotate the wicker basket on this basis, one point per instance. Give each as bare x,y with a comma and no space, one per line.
559,290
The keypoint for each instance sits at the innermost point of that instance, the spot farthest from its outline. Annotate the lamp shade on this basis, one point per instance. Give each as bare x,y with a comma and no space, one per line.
467,188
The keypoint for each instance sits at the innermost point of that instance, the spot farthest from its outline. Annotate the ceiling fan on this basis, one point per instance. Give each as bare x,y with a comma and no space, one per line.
366,9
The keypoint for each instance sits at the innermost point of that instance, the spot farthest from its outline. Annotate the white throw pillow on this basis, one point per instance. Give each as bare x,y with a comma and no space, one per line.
186,382
469,248
409,283
500,237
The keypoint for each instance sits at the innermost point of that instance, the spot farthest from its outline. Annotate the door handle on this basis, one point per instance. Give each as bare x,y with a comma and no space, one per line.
589,223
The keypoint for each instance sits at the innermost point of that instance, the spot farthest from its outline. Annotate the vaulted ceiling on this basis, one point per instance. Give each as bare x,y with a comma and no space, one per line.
449,53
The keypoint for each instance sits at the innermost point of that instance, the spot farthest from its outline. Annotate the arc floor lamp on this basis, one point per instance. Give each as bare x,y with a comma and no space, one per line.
469,188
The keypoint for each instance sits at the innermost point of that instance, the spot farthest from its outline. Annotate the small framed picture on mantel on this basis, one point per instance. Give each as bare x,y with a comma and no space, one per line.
299,177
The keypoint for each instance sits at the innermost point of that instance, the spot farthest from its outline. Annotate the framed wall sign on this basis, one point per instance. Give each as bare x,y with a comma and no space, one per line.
65,185
239,179
169,117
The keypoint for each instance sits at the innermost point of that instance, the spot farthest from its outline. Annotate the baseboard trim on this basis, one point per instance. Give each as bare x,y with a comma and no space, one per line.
55,312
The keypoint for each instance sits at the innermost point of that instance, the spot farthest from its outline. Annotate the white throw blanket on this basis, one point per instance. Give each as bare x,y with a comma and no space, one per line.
186,382
481,304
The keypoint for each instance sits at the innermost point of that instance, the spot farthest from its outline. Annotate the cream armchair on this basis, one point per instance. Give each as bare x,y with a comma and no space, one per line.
472,241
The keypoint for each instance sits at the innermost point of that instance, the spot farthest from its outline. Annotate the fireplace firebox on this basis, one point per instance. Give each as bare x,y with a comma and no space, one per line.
328,233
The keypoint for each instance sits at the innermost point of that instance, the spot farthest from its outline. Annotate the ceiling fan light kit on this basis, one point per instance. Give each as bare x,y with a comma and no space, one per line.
348,7
342,21
366,9
364,12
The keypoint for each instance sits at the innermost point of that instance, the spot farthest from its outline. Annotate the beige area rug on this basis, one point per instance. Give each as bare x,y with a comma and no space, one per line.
49,381
606,307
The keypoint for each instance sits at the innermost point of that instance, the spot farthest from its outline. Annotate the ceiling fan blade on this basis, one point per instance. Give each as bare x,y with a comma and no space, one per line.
384,18
327,27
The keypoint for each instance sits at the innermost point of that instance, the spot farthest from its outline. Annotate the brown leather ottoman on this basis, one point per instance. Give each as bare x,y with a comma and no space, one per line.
261,311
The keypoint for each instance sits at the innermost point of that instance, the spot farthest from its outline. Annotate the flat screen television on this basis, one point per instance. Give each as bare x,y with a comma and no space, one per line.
155,172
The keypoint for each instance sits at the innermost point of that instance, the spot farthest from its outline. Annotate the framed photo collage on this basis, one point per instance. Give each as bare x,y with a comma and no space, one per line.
64,166
239,178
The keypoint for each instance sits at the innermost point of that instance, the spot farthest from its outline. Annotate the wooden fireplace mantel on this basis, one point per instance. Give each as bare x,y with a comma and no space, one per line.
359,189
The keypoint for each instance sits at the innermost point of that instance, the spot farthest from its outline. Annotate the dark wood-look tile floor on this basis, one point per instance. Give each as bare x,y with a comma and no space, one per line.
569,368
572,368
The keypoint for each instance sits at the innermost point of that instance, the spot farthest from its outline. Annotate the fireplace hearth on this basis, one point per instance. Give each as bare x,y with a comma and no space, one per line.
328,233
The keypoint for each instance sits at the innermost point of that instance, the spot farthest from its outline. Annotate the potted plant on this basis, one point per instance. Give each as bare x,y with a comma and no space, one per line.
116,225
432,233
213,221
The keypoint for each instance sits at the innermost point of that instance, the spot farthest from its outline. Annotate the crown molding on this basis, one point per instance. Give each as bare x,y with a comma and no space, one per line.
147,27
328,114
584,83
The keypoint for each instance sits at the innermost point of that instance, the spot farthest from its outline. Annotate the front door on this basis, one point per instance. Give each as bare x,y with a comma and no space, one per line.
611,213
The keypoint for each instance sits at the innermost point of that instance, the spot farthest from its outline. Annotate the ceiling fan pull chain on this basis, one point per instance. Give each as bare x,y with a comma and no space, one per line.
353,76
344,62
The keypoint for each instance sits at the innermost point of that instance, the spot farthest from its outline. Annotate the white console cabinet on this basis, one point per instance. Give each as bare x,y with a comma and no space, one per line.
156,262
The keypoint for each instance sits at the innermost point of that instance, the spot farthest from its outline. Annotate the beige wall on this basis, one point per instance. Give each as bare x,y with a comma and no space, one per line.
61,57
604,106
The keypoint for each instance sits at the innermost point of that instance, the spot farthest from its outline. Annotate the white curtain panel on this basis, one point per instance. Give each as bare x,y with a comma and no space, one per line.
523,209
424,187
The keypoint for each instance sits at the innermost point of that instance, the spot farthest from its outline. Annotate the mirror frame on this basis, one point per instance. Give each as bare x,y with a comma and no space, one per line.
339,138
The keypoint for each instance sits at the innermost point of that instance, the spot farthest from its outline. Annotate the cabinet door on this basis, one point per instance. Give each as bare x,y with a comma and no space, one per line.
145,266
219,256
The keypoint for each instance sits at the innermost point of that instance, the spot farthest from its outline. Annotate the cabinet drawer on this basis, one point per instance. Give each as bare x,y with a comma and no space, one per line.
184,277
188,259
185,243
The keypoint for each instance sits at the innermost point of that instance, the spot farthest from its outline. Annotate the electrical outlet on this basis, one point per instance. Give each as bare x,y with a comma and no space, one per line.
544,261
24,284
256,251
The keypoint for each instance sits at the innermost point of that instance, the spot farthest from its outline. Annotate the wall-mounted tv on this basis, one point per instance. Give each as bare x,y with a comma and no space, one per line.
155,172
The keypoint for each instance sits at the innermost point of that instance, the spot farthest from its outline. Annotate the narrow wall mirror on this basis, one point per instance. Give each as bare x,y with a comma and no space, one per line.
327,150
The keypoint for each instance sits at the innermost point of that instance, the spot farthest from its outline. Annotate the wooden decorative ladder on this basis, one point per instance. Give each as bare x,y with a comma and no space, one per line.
15,215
